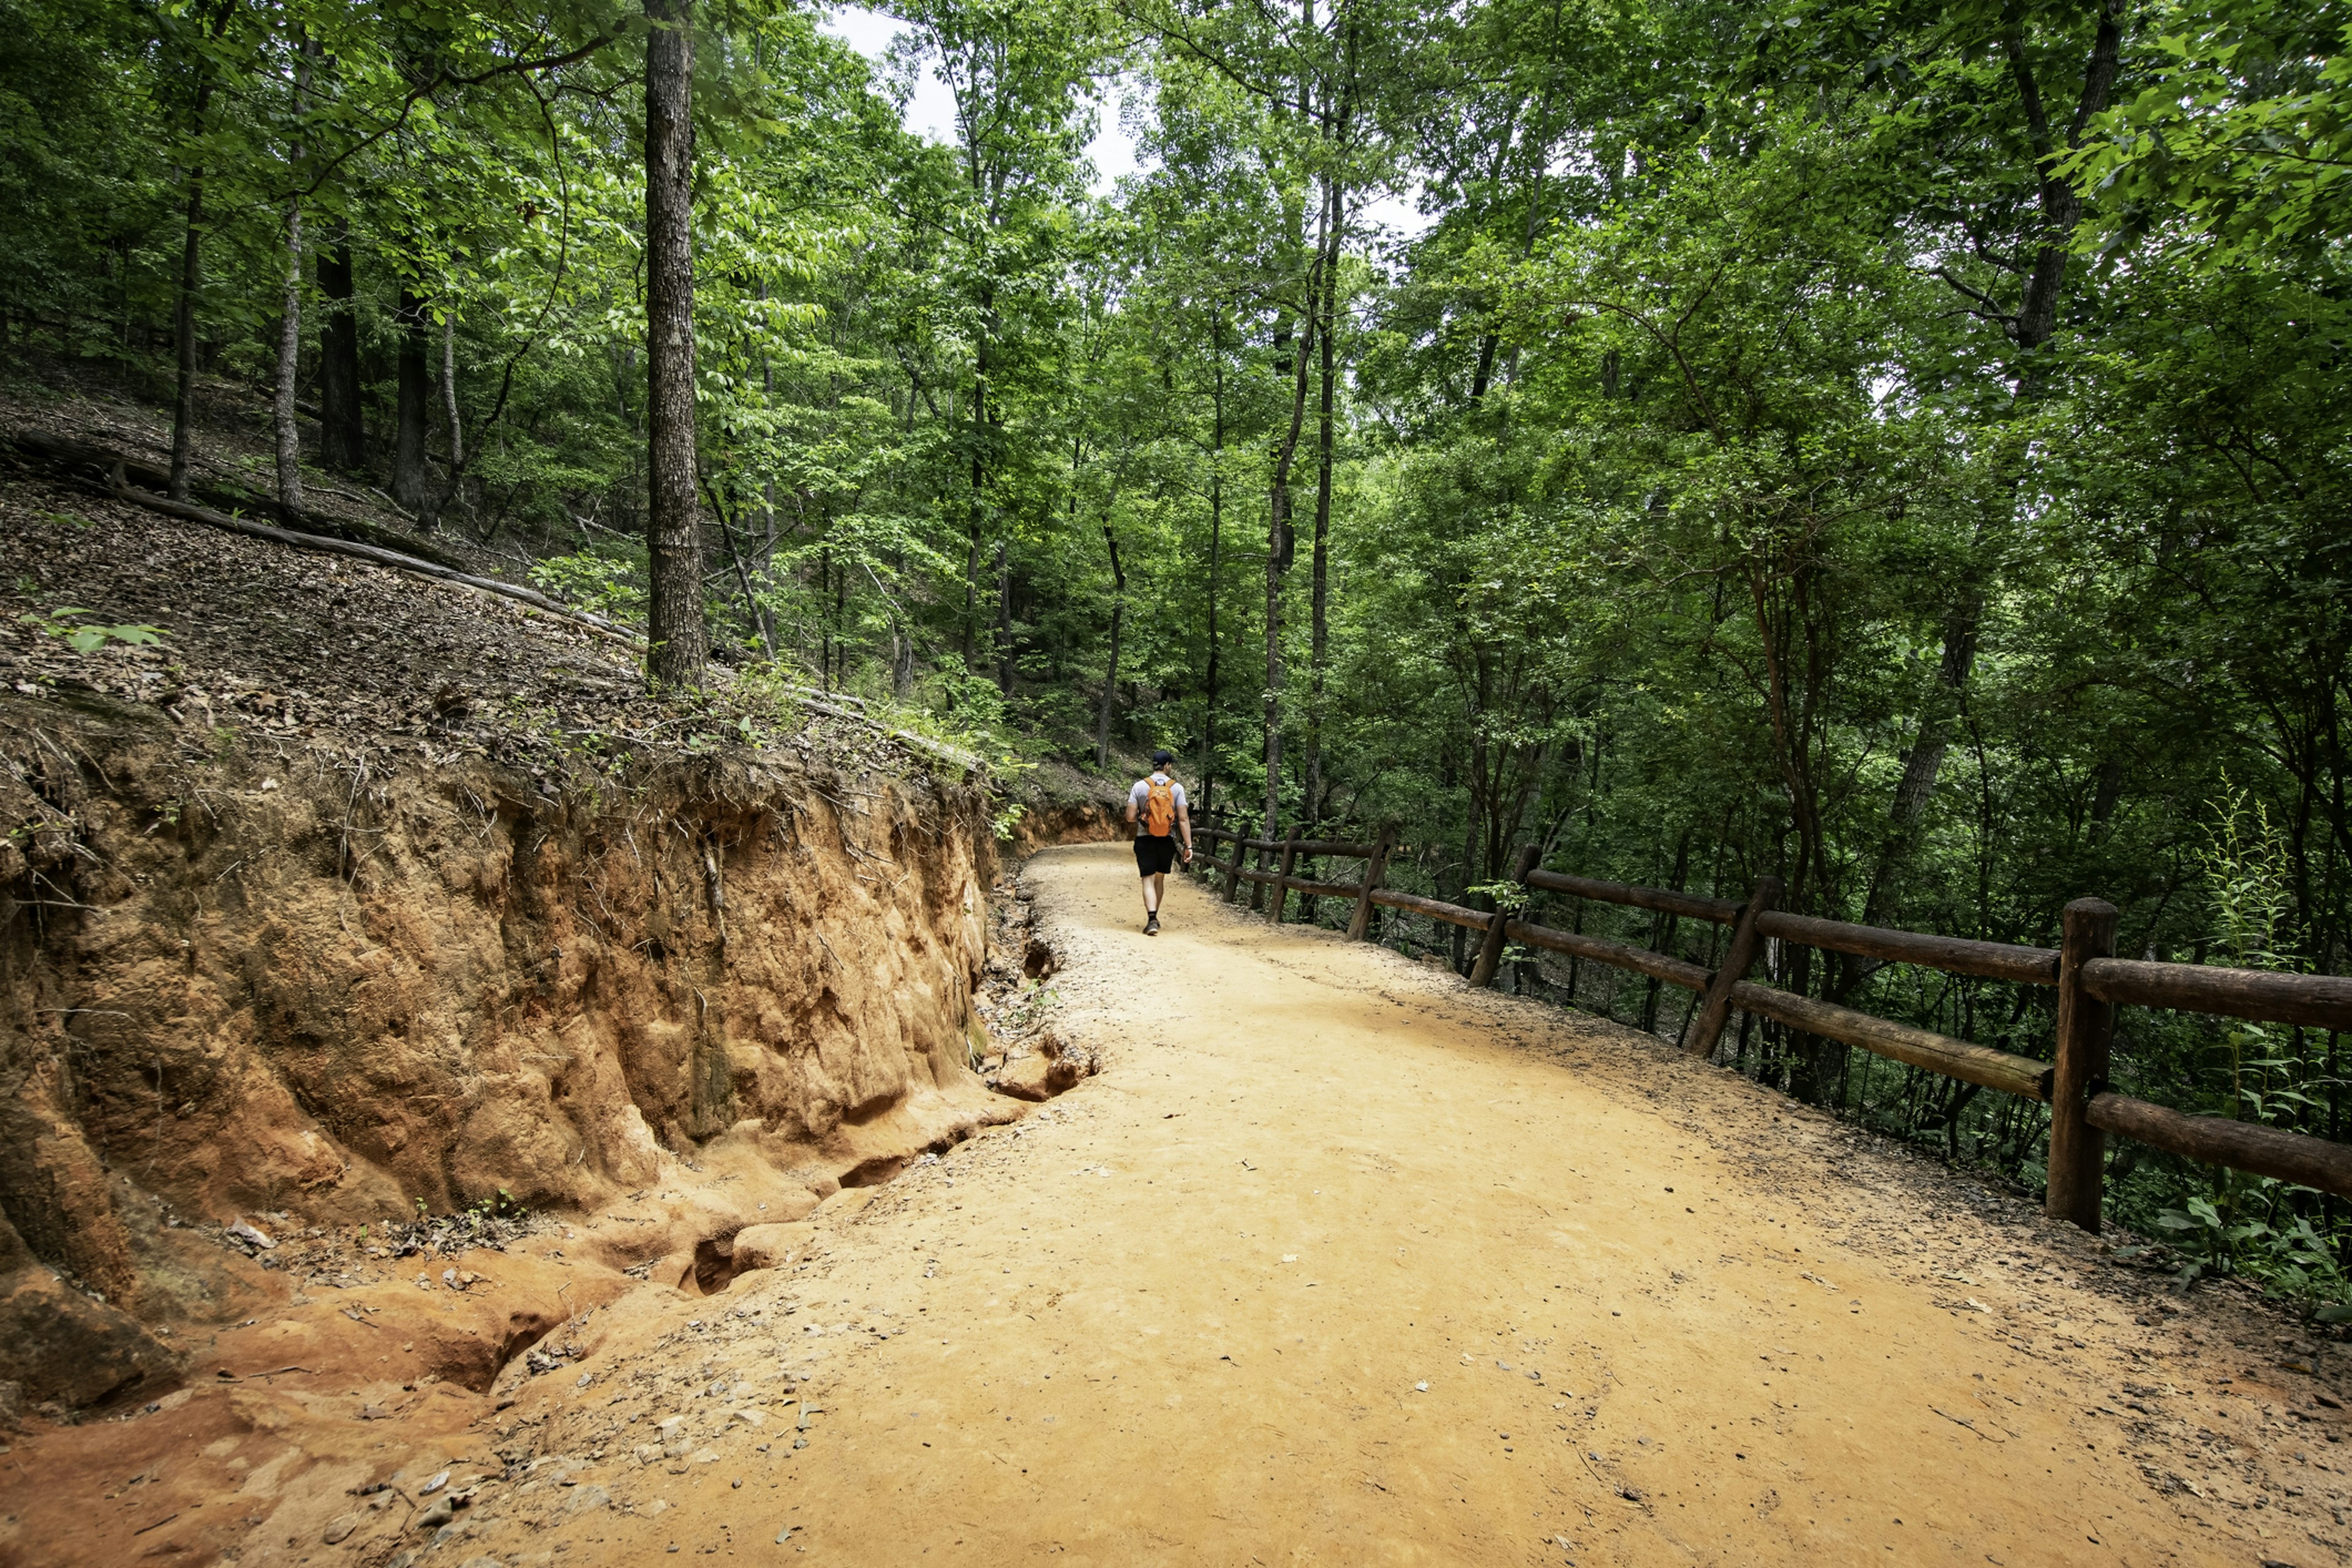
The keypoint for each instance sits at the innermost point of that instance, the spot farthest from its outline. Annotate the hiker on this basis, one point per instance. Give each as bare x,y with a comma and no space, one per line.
1156,808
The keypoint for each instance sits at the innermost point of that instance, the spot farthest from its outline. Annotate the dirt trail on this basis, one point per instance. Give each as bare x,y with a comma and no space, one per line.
1340,1262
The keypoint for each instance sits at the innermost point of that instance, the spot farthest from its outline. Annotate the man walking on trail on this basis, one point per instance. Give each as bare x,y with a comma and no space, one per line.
1158,812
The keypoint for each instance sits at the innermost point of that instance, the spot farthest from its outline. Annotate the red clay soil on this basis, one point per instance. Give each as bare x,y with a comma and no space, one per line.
1336,1261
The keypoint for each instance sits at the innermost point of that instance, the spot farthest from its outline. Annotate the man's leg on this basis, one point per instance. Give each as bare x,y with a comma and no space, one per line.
1151,884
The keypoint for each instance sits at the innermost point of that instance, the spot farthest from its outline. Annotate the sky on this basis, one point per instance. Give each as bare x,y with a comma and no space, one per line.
930,112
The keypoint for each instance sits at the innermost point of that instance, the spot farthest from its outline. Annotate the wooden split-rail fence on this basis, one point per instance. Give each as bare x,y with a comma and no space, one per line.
2090,980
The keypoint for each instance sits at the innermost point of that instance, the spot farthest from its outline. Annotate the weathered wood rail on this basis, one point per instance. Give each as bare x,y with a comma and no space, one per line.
2091,982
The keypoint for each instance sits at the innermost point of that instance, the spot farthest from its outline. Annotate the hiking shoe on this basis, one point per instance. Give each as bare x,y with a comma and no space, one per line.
1151,926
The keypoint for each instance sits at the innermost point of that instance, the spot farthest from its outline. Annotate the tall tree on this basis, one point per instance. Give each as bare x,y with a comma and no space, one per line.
343,435
209,22
679,641
411,410
289,320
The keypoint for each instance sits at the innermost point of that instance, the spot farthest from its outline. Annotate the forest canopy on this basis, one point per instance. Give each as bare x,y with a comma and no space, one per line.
1898,447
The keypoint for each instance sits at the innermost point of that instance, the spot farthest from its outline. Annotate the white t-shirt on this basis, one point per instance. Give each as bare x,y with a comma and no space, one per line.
1141,796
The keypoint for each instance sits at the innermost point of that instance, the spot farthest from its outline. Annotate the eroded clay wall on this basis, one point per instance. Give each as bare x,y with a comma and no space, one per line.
238,977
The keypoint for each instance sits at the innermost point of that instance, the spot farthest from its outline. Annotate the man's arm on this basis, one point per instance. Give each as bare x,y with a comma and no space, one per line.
1130,809
1184,824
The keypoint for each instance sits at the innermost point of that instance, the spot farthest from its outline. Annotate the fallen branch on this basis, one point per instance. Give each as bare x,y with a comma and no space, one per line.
120,490
86,460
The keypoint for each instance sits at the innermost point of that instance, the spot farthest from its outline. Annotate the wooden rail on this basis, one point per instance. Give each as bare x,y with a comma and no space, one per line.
1658,899
1435,909
1640,959
1955,955
2313,1000
1919,1047
2091,982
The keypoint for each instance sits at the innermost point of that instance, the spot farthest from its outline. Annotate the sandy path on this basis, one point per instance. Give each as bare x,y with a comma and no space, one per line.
1340,1262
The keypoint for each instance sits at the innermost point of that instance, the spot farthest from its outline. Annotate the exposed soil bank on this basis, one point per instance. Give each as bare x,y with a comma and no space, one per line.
1087,821
1339,1262
243,979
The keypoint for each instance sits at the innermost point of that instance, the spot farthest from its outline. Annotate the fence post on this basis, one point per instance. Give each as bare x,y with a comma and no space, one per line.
1739,958
1282,887
1360,921
1233,873
2085,1025
1490,951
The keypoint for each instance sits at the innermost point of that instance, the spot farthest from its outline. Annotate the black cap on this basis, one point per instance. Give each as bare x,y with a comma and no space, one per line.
1161,758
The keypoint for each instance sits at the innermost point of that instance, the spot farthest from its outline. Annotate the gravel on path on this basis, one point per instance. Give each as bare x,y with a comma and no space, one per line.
1338,1261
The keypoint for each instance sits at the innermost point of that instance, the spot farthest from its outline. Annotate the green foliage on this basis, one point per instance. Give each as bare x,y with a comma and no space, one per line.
2235,1235
84,636
2249,872
1897,450
607,577
2237,148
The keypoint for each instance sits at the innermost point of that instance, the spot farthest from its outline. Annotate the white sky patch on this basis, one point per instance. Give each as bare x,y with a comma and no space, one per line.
930,112
1398,217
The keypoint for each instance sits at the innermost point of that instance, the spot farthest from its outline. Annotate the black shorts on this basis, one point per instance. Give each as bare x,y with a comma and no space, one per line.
1155,856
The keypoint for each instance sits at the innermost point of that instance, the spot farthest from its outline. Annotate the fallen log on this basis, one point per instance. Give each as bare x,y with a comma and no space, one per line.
374,554
87,461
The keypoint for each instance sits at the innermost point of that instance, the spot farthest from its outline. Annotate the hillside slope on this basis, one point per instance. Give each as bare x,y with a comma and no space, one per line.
358,894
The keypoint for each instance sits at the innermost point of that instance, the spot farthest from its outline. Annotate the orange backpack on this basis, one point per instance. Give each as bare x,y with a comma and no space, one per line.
1158,807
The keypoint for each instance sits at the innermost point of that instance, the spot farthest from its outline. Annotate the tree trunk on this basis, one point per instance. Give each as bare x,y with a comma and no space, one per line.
290,368
1920,768
899,686
289,323
448,494
2037,320
1110,675
752,607
679,646
1216,547
184,397
342,437
1319,635
824,595
971,545
971,577
1278,525
410,483
1279,538
1004,617
979,484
